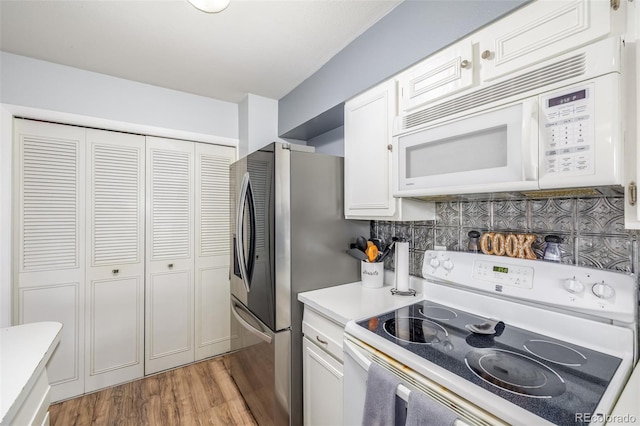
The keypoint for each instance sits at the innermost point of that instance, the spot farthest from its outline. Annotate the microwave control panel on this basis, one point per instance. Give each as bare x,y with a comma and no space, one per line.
567,132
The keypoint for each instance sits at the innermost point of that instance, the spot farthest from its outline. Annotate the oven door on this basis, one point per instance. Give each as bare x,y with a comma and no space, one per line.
358,357
495,150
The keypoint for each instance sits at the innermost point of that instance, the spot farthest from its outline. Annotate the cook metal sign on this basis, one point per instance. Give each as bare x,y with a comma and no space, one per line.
512,245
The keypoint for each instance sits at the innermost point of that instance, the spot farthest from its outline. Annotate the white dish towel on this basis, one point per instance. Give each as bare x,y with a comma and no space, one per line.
424,411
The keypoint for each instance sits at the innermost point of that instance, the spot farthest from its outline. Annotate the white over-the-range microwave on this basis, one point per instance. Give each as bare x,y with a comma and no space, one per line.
556,125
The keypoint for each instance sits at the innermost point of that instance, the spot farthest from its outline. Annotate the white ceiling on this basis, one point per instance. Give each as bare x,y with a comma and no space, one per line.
262,47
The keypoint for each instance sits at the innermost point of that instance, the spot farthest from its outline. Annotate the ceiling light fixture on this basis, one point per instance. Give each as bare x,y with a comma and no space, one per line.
210,6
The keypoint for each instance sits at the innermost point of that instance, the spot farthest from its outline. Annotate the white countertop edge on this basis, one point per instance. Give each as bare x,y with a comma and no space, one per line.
24,352
627,409
353,301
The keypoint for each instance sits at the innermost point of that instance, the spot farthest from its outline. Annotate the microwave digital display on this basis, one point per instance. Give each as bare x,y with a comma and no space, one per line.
570,97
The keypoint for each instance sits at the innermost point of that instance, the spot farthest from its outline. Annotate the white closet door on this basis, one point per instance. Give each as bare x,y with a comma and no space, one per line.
213,215
115,258
169,286
49,241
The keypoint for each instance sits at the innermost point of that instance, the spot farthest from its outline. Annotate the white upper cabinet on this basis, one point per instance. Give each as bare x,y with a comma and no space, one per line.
539,31
441,74
367,159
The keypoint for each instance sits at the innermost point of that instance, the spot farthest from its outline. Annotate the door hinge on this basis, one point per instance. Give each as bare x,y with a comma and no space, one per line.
633,194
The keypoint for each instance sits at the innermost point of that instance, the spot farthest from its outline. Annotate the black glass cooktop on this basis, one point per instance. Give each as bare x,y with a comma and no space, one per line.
553,379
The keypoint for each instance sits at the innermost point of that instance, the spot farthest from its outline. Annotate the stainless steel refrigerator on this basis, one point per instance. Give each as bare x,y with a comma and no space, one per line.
289,235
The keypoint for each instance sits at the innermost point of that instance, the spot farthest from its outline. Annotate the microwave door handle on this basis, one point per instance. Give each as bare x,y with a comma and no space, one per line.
242,263
530,140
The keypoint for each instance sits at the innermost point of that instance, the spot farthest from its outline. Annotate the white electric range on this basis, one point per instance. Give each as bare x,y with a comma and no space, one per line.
504,341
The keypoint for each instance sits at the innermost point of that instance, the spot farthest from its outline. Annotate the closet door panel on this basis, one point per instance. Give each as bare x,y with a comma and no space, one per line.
115,258
59,302
48,241
213,212
169,295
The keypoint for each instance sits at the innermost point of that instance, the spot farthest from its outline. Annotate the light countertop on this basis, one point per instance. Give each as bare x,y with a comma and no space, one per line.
24,352
353,301
627,409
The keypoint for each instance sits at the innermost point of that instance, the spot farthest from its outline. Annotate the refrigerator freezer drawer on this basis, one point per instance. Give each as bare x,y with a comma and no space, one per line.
261,366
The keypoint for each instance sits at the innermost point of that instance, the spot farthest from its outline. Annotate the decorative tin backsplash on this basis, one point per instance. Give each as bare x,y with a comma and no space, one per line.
592,229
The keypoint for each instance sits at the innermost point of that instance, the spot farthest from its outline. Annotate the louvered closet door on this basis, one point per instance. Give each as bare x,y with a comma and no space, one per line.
49,241
169,293
115,258
213,210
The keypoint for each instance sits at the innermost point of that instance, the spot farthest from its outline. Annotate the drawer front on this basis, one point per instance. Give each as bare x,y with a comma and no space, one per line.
323,332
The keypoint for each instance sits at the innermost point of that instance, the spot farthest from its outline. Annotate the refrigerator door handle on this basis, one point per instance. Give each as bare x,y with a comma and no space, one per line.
252,232
235,308
242,263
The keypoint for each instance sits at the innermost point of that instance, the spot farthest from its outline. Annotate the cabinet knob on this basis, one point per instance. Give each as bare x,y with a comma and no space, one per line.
115,271
170,265
465,64
390,147
487,54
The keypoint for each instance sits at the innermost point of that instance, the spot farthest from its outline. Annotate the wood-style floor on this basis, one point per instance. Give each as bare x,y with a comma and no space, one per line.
198,394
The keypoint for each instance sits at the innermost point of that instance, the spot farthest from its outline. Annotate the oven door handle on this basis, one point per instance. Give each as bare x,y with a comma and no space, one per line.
364,362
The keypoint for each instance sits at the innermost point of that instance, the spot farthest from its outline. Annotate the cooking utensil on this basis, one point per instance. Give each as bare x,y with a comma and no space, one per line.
372,252
386,252
358,254
377,242
361,243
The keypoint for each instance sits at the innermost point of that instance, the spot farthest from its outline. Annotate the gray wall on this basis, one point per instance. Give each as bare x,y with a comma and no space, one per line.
330,143
413,30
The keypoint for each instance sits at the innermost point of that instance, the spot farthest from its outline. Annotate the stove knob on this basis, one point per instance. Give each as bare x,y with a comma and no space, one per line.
603,290
434,262
573,286
447,264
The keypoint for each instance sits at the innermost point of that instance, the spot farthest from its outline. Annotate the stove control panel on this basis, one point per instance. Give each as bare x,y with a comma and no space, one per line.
503,274
605,294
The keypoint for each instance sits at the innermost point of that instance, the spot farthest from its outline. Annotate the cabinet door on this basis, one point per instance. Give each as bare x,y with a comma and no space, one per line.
49,241
115,258
169,298
322,384
213,215
539,31
367,155
442,74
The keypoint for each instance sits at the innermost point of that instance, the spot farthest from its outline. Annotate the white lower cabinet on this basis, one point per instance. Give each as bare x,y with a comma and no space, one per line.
322,386
322,369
